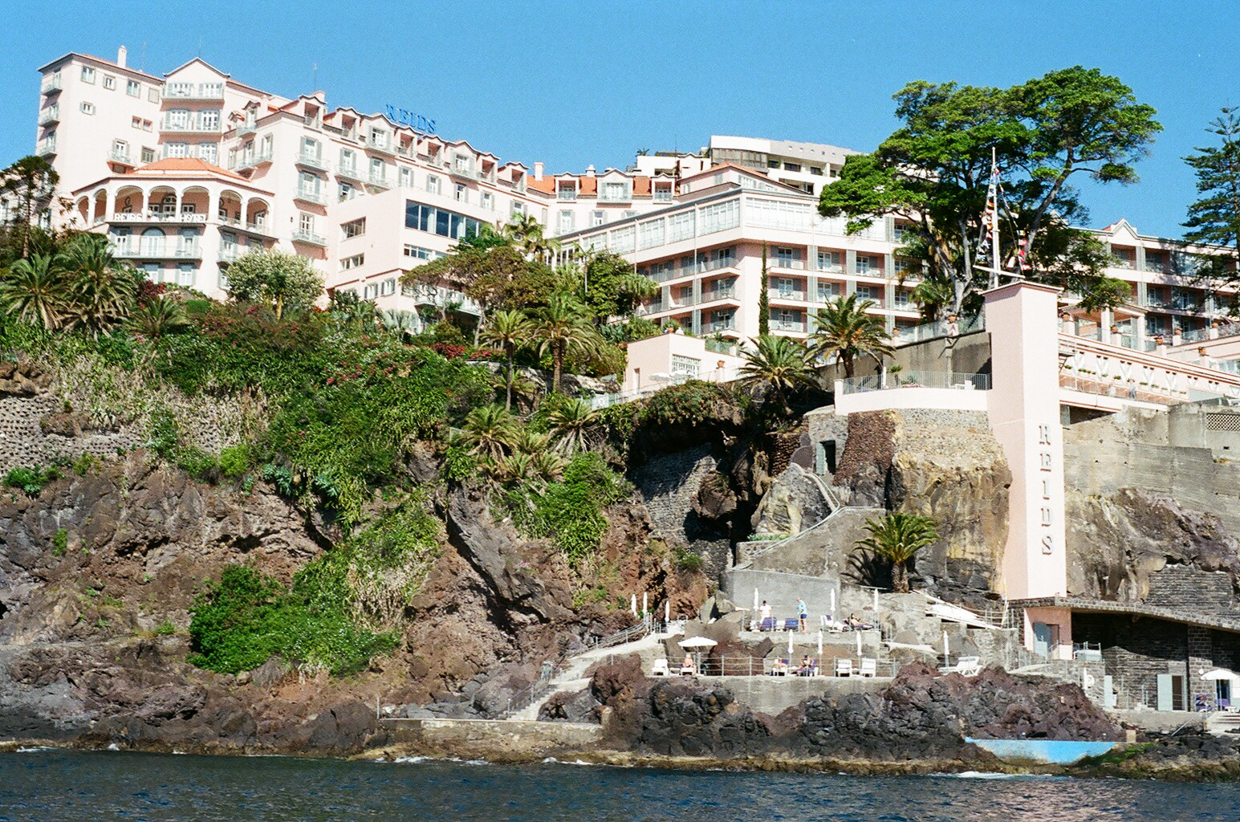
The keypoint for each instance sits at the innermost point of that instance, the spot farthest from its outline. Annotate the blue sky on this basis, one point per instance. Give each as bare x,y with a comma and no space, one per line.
573,83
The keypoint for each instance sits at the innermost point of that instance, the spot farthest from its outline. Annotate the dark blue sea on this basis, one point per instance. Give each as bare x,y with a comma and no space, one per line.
57,785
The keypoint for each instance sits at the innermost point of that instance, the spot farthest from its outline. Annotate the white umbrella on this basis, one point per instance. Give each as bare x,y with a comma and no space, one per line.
697,642
832,603
858,643
875,602
946,660
790,634
667,611
1221,673
633,604
645,610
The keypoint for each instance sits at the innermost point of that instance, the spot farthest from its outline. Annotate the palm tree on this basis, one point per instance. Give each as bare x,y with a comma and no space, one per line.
521,389
513,468
547,466
780,363
845,329
563,327
571,424
897,537
528,234
932,296
158,317
102,290
508,331
489,430
33,290
532,442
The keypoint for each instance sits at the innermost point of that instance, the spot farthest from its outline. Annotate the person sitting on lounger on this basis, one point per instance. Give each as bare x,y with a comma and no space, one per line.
779,668
806,667
687,668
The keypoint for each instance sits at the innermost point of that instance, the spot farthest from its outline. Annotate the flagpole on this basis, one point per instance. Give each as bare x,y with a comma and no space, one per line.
994,216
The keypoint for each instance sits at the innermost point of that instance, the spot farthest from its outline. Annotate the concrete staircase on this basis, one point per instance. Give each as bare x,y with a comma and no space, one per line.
1223,722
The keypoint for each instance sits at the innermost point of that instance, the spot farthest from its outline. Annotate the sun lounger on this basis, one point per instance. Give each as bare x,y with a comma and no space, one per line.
869,667
843,667
965,666
768,624
792,624
660,668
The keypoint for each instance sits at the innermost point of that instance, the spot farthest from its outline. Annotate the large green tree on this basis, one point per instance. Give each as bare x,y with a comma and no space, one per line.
102,290
934,170
897,538
562,328
29,186
1215,217
509,331
846,329
778,366
286,282
611,288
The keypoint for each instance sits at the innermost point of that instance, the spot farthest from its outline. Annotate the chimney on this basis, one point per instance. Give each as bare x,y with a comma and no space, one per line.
590,170
122,54
538,171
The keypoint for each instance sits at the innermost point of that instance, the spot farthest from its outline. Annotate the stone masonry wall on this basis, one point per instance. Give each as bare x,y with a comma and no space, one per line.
24,444
1136,652
668,485
1182,586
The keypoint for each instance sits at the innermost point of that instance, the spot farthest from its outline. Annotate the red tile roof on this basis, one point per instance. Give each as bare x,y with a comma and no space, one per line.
188,164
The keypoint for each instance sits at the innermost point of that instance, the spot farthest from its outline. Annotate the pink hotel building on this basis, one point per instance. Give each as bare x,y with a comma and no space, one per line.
187,171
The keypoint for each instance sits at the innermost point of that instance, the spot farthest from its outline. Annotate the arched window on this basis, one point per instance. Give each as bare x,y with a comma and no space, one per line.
152,243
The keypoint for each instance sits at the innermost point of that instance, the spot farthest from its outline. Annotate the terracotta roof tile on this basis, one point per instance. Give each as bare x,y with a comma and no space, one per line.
188,164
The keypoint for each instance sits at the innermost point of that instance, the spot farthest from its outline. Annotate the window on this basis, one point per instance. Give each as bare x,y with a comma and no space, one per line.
432,184
720,216
185,274
517,208
133,88
418,253
827,291
387,287
488,201
88,75
870,292
348,161
650,233
109,82
209,120
785,287
353,228
87,108
120,148
615,191
208,152
686,367
866,264
439,221
815,170
378,138
148,155
566,190
788,257
680,226
830,261
356,261
308,183
177,118
305,223
140,124
662,194
347,192
378,169
153,95
564,223
792,166
461,193
772,163
180,89
176,149
406,178
309,148
370,291
597,218
232,158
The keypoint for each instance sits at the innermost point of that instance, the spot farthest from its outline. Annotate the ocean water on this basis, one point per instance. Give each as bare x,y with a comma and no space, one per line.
52,785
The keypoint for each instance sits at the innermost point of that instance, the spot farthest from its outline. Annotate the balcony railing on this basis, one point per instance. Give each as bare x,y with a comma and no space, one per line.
786,294
309,238
795,326
793,264
49,115
156,253
197,93
727,292
381,148
350,172
229,253
311,196
189,127
314,161
51,84
46,147
246,128
254,160
121,157
379,181
916,379
717,327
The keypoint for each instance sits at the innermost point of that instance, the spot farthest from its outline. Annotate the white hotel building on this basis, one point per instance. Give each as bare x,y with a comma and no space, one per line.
189,170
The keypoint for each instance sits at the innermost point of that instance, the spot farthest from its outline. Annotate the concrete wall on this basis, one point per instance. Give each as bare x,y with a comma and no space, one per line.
781,591
775,694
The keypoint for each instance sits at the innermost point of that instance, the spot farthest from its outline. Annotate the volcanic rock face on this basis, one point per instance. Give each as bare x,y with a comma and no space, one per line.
921,715
794,502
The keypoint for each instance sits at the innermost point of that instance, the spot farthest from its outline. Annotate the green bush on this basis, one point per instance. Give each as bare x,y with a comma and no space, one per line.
569,511
235,461
60,542
85,464
165,628
247,617
692,402
31,480
687,560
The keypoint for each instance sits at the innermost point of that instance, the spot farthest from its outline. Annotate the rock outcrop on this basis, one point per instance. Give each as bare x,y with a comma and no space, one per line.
794,502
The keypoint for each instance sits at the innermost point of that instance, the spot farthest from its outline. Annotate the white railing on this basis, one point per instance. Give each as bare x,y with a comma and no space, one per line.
962,381
148,217
309,237
311,196
937,329
50,84
50,114
1110,370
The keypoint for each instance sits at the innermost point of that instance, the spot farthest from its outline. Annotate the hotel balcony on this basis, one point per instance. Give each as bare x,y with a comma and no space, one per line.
51,84
308,196
379,181
786,263
254,160
381,148
788,294
351,173
198,93
50,115
719,326
246,128
727,292
121,157
253,226
160,253
229,253
309,238
188,127
46,148
314,161
467,173
793,326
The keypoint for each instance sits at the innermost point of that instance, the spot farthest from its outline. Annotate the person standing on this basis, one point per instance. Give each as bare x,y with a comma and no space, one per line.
803,612
765,614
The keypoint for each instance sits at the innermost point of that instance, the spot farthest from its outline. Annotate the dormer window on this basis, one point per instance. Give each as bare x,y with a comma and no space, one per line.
616,191
566,190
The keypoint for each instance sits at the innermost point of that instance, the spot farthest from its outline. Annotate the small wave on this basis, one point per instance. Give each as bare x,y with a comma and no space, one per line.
35,749
551,760
113,747
991,775
416,760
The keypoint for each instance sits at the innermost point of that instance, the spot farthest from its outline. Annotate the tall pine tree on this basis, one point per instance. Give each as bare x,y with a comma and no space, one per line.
1215,218
764,301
